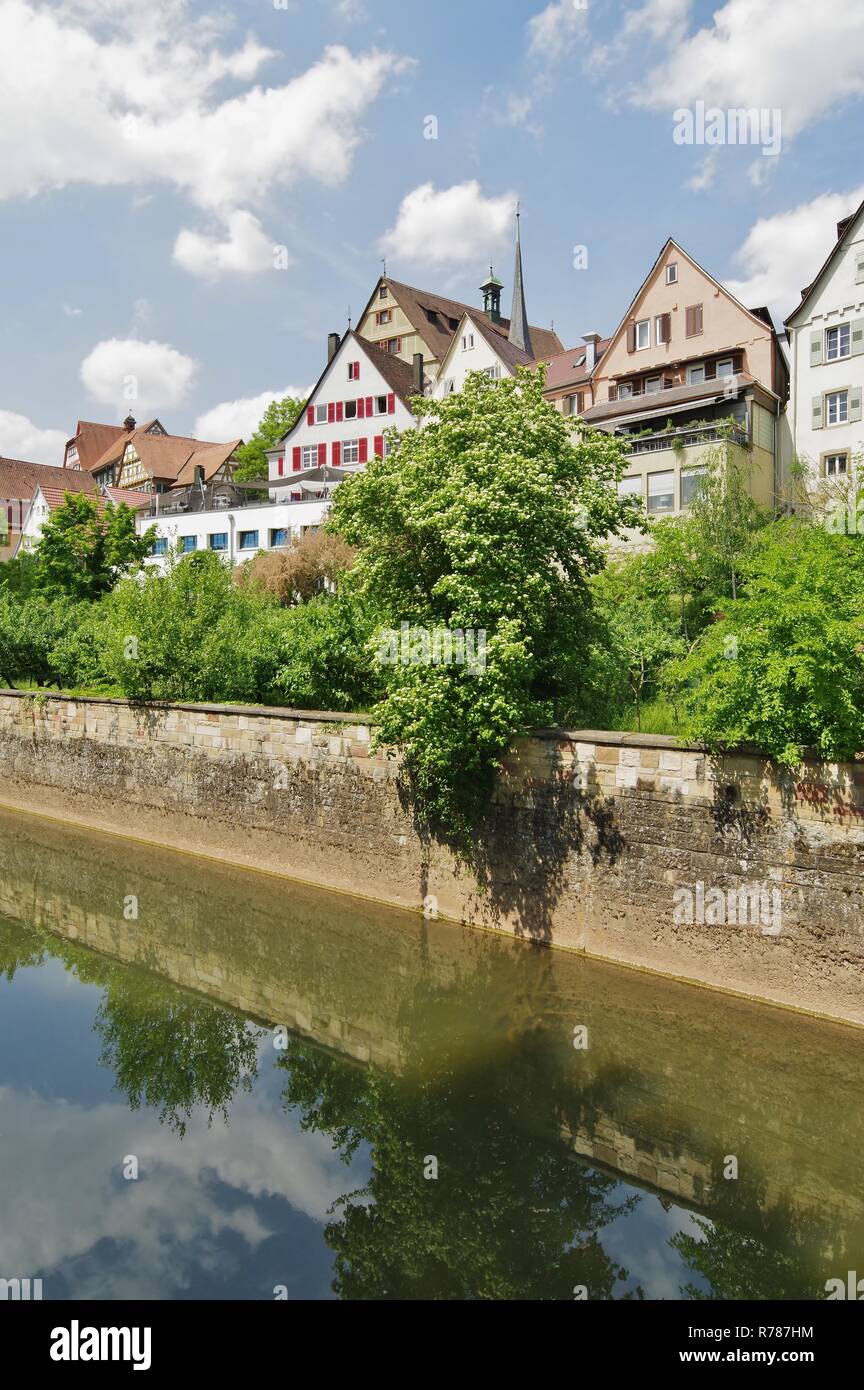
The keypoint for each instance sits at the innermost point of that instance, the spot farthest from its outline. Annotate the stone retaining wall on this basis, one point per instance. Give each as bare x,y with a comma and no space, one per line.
594,842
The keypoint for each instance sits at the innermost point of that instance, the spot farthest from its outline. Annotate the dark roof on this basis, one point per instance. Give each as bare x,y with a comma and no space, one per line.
398,374
569,368
846,224
437,332
657,401
19,480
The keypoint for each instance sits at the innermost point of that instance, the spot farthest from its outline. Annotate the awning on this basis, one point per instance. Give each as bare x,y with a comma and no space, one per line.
637,415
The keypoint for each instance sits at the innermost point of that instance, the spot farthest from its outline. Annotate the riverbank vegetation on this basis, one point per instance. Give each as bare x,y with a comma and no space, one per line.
462,593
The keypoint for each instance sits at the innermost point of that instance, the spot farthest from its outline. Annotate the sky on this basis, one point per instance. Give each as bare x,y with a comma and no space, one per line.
193,195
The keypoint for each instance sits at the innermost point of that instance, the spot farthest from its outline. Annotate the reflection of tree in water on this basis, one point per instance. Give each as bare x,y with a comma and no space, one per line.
510,1216
753,1248
167,1049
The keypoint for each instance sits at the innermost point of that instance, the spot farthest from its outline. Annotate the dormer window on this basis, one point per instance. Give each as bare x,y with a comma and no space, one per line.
672,273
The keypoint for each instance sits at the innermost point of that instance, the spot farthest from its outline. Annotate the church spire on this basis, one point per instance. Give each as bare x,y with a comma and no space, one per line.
519,335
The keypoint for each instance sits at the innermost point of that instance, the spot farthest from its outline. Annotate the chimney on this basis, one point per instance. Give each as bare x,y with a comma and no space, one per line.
843,224
419,378
333,341
590,340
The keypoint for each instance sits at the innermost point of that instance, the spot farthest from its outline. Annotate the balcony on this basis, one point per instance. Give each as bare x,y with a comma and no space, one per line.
686,437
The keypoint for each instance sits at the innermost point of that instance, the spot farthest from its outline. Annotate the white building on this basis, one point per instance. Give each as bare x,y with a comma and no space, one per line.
235,533
826,335
362,392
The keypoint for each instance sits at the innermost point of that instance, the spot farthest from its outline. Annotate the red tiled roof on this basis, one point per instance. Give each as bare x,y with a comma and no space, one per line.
19,480
569,368
92,439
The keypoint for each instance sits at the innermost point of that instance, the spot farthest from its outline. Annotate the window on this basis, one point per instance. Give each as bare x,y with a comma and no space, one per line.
652,384
631,487
187,544
278,536
574,405
837,407
838,342
248,540
218,540
725,368
384,315
625,390
350,410
643,334
382,292
835,465
467,342
661,492
320,415
353,371
672,273
309,456
350,450
379,405
693,321
696,375
691,482
447,386
493,373
662,328
160,546
392,345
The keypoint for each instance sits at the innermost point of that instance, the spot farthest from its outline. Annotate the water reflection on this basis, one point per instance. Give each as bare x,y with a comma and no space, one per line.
410,1046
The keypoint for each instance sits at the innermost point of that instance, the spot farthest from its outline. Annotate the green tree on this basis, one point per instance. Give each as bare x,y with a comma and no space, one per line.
784,667
489,519
277,420
87,546
643,626
30,629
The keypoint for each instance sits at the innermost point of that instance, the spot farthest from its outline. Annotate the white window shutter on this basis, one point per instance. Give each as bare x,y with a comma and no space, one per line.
817,412
859,269
815,349
855,403
857,337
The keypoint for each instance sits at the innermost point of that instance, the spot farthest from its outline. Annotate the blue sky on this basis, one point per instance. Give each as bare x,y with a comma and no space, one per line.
152,157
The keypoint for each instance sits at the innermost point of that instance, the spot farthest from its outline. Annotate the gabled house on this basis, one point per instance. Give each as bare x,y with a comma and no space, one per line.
89,443
688,368
404,321
47,497
362,392
19,482
145,458
826,343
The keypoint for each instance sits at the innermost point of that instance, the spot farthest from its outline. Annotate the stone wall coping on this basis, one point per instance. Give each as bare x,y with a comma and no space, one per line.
617,738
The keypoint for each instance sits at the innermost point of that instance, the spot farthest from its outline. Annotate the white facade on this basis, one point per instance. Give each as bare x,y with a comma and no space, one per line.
827,361
345,417
234,533
468,352
38,513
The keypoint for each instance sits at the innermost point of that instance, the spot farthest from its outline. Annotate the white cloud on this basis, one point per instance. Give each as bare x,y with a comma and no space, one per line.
148,105
71,312
552,32
239,419
459,224
245,250
744,57
21,439
705,175
129,373
782,254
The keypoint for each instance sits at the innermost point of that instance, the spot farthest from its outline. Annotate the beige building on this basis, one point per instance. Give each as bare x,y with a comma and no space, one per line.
690,368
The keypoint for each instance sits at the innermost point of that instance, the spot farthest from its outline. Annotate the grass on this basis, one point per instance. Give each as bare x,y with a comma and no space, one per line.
656,716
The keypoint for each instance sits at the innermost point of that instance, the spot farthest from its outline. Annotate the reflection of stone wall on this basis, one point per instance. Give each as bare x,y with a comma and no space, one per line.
671,1081
589,838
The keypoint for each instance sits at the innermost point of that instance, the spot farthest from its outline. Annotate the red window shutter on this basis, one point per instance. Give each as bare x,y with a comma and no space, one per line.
331,412
360,408
322,455
391,404
280,466
296,496
339,412
356,371
379,446
369,407
310,415
337,453
363,451
295,460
